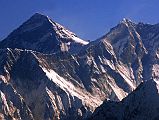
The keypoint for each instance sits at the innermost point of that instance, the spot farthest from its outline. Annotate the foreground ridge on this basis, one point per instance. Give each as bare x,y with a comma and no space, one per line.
141,104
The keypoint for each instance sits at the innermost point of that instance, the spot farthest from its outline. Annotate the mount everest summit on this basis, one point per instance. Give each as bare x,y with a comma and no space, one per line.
48,73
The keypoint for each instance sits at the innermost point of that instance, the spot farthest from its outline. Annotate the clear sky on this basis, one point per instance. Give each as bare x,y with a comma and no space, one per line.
89,19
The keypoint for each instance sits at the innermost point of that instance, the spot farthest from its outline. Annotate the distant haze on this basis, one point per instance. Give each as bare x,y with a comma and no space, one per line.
88,19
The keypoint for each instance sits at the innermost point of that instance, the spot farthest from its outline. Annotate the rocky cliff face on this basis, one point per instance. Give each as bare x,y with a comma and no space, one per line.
47,72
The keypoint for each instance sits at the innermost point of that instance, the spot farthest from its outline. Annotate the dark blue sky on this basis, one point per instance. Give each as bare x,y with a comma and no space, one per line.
89,19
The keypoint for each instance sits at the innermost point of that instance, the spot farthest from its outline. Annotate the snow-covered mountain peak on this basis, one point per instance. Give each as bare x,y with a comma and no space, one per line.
127,22
38,15
40,33
60,30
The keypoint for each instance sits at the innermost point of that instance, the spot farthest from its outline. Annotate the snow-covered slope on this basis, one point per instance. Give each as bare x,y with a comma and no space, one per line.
41,34
47,94
65,86
104,72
